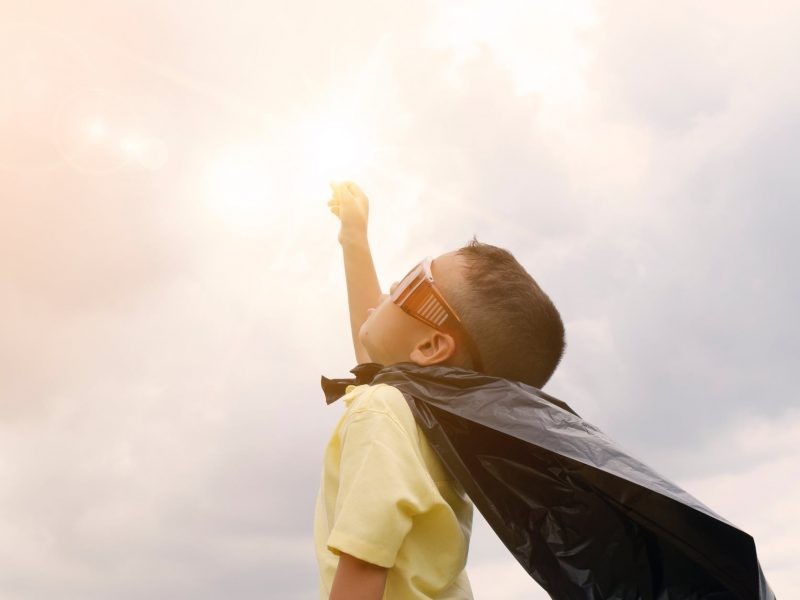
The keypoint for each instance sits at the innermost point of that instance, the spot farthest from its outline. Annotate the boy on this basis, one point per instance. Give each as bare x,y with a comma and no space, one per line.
390,521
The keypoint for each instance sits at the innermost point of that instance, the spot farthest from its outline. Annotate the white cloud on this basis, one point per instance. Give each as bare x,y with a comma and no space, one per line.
759,491
503,580
540,45
493,571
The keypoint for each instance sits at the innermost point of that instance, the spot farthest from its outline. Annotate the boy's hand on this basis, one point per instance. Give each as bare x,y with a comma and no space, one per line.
350,204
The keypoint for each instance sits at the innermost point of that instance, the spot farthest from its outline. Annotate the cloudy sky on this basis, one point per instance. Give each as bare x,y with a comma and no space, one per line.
172,287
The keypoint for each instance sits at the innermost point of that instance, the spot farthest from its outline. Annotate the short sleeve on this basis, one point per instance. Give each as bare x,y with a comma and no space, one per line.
382,485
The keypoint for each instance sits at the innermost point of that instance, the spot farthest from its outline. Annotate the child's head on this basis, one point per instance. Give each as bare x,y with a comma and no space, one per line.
517,329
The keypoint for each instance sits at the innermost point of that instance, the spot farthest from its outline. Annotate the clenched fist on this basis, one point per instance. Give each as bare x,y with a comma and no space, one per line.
350,204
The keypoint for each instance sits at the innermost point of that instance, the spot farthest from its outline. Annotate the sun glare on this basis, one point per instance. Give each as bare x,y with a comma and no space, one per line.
333,147
328,146
282,179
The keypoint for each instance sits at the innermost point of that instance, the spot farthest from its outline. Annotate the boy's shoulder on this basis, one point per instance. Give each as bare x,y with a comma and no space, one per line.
383,403
380,398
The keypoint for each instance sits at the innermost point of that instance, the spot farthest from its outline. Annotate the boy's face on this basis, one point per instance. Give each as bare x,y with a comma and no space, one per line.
390,335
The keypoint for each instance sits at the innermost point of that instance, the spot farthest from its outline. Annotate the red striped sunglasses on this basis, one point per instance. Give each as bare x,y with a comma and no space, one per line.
418,296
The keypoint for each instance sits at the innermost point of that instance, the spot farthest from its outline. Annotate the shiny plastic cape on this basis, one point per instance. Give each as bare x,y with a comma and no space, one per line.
583,518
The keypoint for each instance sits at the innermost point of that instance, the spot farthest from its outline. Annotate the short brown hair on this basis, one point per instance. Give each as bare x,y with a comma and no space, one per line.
515,325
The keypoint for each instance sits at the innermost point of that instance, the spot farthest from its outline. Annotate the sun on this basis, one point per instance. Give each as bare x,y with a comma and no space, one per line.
344,133
335,141
278,181
335,145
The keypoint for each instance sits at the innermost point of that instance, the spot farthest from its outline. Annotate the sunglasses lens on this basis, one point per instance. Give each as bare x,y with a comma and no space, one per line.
409,279
425,303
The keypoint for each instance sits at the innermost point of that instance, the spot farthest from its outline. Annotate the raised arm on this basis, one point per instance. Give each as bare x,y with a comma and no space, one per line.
350,204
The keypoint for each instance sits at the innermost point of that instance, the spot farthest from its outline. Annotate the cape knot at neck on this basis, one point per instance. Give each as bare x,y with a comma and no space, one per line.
336,388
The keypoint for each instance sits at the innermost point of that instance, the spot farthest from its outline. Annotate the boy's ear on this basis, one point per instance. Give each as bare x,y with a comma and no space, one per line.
435,348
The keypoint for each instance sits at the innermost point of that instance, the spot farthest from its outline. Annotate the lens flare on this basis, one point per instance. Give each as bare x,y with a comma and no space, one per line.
96,130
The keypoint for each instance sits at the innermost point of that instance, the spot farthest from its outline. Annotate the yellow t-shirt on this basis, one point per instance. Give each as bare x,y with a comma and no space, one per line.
386,498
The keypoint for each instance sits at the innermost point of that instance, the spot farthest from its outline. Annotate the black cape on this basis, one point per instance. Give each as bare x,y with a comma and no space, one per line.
584,519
